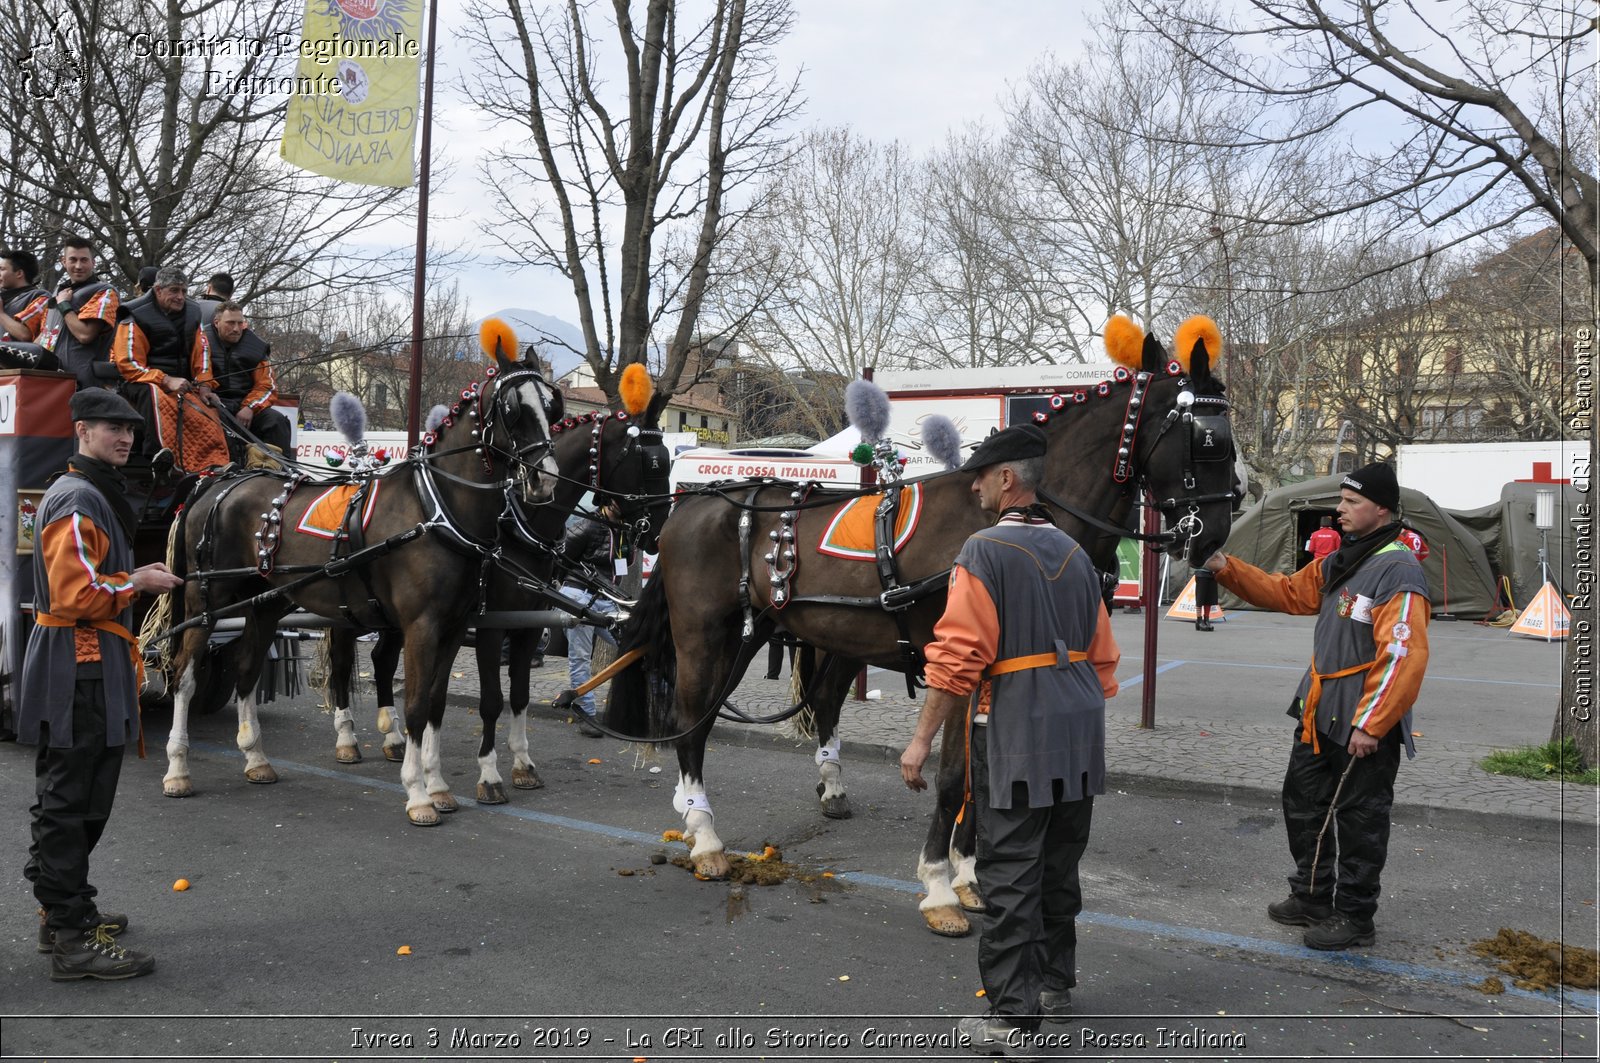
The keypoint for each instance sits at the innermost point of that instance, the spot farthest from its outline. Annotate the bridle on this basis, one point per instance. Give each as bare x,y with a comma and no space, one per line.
655,470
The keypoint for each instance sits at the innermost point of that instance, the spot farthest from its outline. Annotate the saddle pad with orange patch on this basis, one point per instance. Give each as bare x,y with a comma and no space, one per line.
324,518
195,424
850,534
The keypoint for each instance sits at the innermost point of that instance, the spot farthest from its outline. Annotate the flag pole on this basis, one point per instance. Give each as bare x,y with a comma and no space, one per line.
420,275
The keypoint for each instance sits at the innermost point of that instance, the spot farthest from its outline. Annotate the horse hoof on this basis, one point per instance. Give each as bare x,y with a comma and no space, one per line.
177,787
970,898
347,754
491,794
526,779
713,866
423,817
395,754
836,807
947,921
262,775
444,801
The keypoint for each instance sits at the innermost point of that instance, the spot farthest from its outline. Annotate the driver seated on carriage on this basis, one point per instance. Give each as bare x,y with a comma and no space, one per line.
162,354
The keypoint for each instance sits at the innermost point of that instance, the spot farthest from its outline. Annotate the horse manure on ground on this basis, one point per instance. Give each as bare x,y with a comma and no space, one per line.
766,868
1536,963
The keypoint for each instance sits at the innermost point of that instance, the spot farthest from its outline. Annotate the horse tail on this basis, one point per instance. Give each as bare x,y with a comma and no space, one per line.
641,701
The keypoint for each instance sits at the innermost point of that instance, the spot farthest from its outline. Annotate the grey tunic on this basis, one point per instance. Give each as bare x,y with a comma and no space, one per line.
1045,724
1343,638
51,666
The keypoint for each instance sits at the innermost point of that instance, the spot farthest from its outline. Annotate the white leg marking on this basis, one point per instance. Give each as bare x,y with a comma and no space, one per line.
432,771
966,870
488,770
178,737
517,739
690,800
935,878
831,773
249,737
411,776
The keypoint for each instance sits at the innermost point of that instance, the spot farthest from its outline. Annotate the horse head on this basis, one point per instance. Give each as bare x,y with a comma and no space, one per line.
519,406
1184,447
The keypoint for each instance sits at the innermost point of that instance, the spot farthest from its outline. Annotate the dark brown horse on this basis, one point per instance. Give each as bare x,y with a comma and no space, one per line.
612,454
420,542
1163,428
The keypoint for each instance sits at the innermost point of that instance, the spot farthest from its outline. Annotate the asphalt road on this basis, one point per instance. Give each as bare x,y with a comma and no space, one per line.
541,929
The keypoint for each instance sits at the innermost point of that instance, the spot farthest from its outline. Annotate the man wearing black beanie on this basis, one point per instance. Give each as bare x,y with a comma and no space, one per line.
1369,654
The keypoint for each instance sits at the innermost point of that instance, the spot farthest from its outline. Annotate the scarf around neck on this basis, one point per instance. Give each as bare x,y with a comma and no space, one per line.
108,480
1342,564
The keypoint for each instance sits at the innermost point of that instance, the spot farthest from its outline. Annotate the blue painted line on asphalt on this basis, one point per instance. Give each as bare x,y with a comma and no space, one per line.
1135,680
1355,961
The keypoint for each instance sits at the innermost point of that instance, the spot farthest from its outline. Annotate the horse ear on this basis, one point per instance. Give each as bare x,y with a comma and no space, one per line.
1155,355
1198,341
499,341
651,418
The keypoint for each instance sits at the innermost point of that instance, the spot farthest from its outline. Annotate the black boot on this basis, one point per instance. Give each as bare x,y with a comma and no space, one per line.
95,954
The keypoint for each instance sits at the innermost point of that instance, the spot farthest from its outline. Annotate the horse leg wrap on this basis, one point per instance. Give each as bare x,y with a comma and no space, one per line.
344,726
686,803
829,752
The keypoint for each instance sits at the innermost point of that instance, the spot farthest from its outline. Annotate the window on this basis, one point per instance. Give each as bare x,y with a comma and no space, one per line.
1452,359
380,395
705,422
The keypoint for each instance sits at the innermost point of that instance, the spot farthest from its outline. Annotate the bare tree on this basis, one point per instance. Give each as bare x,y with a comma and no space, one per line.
827,266
1498,118
604,172
143,127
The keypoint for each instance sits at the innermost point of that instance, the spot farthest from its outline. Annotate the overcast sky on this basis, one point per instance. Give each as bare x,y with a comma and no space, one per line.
907,70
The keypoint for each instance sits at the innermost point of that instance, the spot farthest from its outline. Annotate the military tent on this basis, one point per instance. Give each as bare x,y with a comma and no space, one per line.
1272,535
1513,541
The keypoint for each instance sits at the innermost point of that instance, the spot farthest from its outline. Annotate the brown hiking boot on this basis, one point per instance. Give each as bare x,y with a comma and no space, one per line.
113,922
96,954
1295,910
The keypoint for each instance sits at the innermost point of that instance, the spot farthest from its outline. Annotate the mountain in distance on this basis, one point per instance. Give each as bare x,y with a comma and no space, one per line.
533,327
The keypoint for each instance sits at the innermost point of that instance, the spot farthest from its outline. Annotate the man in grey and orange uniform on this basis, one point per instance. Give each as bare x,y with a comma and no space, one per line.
1024,658
1369,653
79,699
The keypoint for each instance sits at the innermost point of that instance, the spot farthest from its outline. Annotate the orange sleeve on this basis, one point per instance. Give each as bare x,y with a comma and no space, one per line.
1400,634
102,307
129,349
1299,594
33,315
1105,654
966,640
200,369
263,387
74,549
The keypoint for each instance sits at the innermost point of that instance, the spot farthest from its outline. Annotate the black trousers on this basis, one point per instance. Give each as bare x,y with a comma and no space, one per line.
74,788
1358,837
269,426
1027,865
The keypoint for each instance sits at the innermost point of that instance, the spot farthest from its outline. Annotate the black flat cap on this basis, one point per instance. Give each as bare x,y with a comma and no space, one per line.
98,404
1017,443
147,278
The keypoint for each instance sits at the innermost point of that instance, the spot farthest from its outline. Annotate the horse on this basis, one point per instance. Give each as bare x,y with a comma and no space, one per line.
256,543
615,454
1159,424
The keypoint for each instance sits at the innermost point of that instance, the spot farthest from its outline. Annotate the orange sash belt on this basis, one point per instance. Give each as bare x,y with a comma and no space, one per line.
1032,660
1308,717
1006,667
111,627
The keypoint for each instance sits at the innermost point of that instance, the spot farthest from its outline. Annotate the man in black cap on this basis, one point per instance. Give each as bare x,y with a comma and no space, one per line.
1369,655
79,699
1023,658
